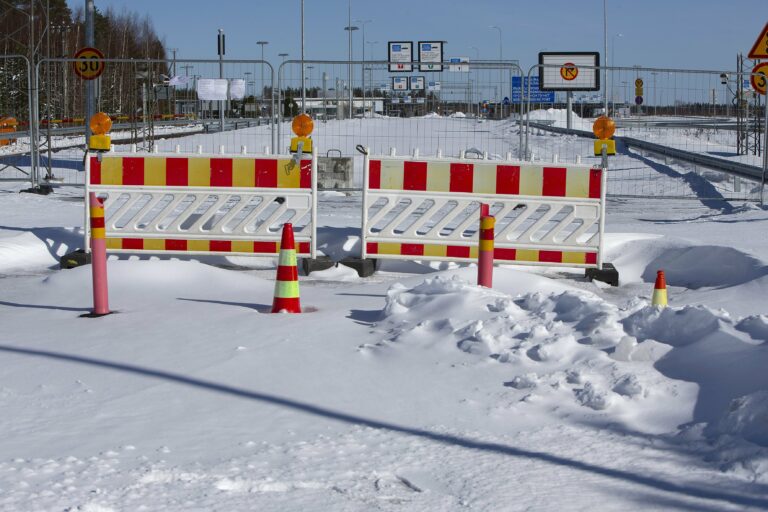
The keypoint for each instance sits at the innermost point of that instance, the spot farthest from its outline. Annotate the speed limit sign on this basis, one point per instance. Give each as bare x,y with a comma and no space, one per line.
89,64
759,78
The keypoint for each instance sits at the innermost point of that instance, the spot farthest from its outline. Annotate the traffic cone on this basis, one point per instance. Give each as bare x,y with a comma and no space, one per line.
287,282
660,291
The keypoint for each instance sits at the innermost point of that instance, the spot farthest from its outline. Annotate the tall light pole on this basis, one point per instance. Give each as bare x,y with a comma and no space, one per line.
605,51
262,44
303,90
370,52
349,28
222,51
613,64
248,81
362,25
501,76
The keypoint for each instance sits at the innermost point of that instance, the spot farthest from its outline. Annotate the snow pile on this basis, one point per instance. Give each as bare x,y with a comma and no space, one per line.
571,353
559,117
458,115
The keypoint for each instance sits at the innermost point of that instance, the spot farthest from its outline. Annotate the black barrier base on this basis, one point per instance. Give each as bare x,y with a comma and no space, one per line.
75,259
364,267
321,263
608,274
42,190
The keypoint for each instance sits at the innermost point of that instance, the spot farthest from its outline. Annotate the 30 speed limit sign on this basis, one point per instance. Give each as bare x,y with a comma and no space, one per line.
89,64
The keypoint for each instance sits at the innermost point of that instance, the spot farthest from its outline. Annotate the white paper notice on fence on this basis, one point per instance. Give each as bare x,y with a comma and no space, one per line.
237,89
212,89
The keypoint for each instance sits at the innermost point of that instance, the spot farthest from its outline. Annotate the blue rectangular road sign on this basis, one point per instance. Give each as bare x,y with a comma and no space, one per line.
537,95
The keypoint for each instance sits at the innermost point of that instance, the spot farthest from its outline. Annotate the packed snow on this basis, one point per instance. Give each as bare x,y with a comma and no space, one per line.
413,389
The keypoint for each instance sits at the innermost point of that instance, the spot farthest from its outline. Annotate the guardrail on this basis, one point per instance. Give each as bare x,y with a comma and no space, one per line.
741,170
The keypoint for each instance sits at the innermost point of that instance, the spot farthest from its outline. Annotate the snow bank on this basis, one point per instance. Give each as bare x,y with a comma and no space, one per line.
650,369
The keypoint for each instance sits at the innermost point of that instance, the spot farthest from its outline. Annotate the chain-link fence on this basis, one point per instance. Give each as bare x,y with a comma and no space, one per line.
157,105
472,109
16,108
711,114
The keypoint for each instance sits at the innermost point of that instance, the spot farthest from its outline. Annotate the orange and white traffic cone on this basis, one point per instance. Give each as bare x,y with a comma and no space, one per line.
660,291
287,282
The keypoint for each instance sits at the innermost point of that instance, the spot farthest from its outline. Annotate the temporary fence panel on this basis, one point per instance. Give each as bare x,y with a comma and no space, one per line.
201,204
470,106
156,103
712,113
16,151
428,209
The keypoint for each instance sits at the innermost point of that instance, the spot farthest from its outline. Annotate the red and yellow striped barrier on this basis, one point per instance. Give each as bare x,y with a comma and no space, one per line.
527,179
230,172
196,245
471,253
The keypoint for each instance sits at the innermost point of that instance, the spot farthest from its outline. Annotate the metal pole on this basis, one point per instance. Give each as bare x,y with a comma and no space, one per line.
303,89
765,152
90,40
568,107
605,50
262,43
349,67
222,50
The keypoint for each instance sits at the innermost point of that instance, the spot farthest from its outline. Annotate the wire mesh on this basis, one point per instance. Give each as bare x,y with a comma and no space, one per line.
157,106
707,113
15,114
458,109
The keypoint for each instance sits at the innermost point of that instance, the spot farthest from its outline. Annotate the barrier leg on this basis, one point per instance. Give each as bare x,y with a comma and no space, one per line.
98,257
485,254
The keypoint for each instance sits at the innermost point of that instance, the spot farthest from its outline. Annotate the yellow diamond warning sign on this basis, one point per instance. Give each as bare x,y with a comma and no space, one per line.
760,48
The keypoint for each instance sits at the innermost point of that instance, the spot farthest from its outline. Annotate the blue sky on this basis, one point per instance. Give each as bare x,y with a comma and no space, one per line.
701,34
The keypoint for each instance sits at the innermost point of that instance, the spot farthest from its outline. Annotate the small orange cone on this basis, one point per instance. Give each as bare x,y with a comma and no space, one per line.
287,281
660,291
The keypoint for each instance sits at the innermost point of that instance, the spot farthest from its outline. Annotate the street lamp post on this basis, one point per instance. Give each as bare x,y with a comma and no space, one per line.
501,76
362,32
370,52
613,64
222,51
350,29
247,83
280,92
262,44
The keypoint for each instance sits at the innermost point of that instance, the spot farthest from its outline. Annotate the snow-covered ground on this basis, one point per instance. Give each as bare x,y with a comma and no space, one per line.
413,389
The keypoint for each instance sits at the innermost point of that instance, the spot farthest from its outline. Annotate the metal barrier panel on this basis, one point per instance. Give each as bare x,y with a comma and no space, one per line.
550,215
711,113
202,204
16,149
156,103
473,106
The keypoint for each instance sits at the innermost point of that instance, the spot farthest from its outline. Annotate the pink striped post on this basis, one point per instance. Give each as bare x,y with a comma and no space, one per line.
98,257
485,254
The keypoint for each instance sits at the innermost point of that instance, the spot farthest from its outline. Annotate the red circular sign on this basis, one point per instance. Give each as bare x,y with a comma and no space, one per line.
90,63
569,71
759,78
